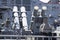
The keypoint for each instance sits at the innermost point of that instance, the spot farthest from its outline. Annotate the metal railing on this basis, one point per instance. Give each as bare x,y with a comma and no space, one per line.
28,37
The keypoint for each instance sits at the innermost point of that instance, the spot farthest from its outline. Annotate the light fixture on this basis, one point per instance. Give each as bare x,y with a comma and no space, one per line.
23,9
15,9
36,7
44,8
16,14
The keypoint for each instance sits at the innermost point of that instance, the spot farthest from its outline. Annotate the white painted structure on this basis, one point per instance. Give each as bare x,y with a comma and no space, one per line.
16,19
24,18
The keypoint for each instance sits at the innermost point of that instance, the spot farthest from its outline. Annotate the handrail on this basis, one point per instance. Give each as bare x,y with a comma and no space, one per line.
26,36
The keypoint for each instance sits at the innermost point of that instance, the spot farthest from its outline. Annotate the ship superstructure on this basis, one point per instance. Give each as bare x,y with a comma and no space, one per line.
30,17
